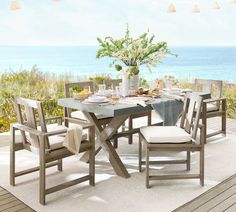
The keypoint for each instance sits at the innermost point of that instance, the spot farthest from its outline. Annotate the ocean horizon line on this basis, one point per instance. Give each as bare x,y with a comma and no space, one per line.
93,45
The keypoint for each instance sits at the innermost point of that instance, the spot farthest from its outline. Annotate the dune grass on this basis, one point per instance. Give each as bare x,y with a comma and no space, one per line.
48,89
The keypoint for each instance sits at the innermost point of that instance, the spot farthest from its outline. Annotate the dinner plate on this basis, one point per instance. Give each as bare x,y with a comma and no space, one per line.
96,101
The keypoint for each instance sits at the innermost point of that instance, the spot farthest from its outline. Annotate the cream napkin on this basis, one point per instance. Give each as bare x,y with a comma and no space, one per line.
73,139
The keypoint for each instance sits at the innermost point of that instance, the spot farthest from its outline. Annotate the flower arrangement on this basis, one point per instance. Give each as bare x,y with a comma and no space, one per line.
133,52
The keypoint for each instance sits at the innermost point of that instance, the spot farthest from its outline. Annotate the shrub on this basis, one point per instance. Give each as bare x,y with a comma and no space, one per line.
29,84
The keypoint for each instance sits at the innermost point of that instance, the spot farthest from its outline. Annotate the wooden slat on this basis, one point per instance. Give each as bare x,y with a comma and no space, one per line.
171,177
222,195
5,196
227,203
10,203
67,184
7,200
232,208
3,192
16,208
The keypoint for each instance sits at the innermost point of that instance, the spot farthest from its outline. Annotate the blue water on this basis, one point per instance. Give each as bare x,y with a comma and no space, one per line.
80,61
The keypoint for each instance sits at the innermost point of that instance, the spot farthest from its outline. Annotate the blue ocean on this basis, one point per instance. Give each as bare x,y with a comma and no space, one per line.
80,61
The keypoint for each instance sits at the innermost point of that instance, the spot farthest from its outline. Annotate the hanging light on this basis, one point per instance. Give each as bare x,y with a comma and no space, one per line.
171,8
216,5
233,1
15,5
195,9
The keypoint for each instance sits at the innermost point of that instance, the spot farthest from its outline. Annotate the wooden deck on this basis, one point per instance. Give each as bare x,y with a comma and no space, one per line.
221,197
9,203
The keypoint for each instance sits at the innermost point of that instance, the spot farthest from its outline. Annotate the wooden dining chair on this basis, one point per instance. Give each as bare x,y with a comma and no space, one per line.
214,107
75,116
47,142
112,83
173,138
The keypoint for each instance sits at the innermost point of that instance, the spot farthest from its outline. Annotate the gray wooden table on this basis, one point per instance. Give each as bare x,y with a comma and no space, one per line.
119,113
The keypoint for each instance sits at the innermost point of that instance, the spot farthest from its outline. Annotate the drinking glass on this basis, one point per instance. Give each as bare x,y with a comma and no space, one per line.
116,94
101,89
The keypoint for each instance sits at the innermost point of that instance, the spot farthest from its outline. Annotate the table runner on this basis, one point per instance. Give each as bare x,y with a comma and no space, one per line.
168,109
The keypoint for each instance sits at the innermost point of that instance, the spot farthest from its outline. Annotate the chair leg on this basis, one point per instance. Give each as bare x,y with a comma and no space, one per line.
188,160
223,118
149,120
130,128
147,168
92,158
59,166
12,158
204,119
202,166
140,154
42,172
66,122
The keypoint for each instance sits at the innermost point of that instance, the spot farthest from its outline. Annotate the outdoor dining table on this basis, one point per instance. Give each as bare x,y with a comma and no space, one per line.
118,112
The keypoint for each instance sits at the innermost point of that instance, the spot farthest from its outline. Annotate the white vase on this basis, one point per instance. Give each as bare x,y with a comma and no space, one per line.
134,82
125,85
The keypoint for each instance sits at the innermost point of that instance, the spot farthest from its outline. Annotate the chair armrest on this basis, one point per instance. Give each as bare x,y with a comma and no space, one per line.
84,124
27,129
37,132
56,132
214,100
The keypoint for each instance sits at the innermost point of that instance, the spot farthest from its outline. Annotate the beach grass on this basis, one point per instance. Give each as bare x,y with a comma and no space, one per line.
48,88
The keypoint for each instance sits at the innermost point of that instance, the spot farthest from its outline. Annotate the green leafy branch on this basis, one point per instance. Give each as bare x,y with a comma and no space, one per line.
133,52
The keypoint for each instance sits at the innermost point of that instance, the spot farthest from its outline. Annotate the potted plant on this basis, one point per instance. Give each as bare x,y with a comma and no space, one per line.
133,53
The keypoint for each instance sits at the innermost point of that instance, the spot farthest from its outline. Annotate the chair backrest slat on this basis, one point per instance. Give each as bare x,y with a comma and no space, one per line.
113,83
191,113
30,107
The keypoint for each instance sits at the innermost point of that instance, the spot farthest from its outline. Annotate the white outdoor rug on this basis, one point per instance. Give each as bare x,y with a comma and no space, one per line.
113,193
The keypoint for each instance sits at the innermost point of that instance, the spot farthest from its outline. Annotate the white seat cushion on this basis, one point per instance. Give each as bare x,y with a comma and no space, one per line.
210,107
165,134
56,141
79,115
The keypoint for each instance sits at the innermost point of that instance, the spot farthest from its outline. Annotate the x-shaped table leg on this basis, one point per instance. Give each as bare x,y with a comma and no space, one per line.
104,135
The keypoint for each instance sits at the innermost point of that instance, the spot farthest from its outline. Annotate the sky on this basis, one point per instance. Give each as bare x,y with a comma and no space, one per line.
80,22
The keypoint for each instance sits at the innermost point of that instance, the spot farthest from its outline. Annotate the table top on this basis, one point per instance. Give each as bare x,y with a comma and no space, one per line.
110,110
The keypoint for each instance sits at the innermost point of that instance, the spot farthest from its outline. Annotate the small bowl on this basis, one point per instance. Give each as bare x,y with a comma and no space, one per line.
81,97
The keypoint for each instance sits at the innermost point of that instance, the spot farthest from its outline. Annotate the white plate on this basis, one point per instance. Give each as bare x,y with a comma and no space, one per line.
96,101
97,98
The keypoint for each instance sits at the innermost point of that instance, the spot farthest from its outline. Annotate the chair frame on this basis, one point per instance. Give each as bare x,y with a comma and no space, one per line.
220,102
189,147
47,157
